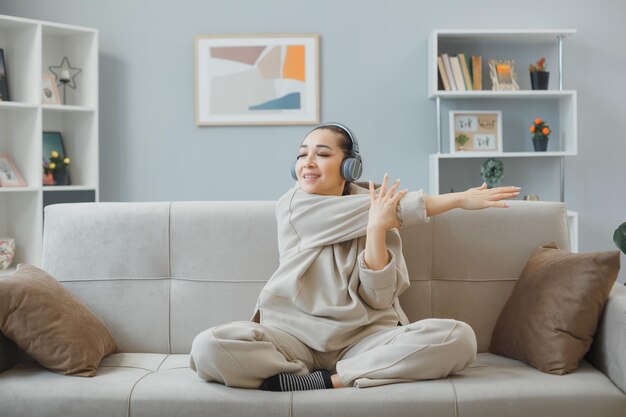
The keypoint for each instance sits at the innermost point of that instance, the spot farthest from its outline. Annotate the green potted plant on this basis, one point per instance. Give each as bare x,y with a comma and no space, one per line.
541,134
491,171
462,139
619,237
539,77
58,167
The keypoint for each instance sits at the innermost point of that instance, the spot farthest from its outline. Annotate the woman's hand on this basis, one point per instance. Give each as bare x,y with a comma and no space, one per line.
483,197
383,208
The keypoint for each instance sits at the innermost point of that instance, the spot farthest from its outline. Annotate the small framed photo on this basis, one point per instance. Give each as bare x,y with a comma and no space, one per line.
4,84
49,90
502,73
52,141
476,131
9,174
257,79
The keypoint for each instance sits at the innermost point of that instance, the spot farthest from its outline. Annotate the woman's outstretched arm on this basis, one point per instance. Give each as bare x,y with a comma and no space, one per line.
473,199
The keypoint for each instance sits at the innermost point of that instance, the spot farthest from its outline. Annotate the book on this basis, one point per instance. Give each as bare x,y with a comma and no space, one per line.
446,63
477,72
465,70
457,73
442,73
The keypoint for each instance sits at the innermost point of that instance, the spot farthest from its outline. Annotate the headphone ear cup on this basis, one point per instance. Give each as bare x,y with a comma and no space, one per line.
351,169
293,171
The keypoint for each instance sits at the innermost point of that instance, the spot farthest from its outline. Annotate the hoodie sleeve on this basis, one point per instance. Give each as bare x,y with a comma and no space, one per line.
380,287
319,220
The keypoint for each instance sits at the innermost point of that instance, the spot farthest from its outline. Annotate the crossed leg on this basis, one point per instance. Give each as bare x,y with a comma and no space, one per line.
244,353
425,349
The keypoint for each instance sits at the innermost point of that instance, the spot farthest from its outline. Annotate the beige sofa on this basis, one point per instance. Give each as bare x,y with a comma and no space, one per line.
157,274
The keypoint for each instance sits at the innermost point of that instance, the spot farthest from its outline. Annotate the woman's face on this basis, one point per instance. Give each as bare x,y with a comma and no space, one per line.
318,164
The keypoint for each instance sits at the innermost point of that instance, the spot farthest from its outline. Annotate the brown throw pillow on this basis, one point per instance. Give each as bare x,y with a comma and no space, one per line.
50,324
552,314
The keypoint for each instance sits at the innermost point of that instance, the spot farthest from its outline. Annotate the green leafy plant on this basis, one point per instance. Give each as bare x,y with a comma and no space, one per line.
492,171
540,129
56,164
619,237
462,139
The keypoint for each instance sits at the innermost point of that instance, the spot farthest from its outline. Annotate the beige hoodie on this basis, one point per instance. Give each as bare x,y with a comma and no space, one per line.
322,293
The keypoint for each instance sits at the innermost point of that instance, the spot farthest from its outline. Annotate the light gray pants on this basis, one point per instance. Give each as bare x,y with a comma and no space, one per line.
244,353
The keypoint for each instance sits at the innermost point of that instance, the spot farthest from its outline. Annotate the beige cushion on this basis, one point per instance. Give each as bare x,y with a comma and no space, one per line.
52,325
552,314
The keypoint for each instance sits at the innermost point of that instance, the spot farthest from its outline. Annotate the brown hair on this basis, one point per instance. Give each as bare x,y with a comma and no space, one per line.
345,143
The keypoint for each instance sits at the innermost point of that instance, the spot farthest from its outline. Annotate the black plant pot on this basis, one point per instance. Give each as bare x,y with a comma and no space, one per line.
61,178
539,80
540,143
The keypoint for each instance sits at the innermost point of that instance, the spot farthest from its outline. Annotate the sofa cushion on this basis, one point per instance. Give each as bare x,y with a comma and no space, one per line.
180,392
552,314
28,390
50,324
503,387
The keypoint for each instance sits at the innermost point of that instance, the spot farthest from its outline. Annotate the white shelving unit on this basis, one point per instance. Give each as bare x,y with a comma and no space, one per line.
540,173
30,47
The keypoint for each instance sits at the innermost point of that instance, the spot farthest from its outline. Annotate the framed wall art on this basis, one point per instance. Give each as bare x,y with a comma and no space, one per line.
476,131
502,73
257,79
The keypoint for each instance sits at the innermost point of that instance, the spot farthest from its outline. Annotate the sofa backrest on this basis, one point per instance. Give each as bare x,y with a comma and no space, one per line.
159,273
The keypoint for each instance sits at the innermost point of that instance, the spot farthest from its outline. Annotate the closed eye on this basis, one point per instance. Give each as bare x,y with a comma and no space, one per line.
319,154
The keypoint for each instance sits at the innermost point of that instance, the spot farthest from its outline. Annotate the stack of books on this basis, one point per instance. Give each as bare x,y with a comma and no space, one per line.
460,73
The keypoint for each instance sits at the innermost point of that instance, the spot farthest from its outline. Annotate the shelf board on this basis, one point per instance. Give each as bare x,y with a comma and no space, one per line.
67,108
531,94
68,188
460,155
8,272
513,35
17,189
16,105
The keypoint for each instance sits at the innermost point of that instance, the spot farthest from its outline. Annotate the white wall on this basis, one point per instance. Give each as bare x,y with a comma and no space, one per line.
373,78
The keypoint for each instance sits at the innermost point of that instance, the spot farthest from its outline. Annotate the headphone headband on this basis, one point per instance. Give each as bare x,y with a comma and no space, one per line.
355,144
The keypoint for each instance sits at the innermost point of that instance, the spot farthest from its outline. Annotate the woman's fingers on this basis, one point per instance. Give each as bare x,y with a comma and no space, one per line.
372,194
383,187
393,188
399,195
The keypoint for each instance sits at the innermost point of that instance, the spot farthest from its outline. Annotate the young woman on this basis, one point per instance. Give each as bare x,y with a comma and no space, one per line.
330,317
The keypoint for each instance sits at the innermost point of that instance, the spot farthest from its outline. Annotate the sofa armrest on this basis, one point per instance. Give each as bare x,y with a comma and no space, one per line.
607,352
8,353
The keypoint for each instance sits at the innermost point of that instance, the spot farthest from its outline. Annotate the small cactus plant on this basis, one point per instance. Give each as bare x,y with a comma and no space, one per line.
619,237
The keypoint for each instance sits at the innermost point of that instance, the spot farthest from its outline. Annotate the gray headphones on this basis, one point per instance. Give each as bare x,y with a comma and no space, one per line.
351,167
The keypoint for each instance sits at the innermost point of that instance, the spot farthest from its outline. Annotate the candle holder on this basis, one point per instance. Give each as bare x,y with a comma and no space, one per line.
65,75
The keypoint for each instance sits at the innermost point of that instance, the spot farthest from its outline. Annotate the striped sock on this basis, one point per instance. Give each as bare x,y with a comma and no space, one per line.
319,379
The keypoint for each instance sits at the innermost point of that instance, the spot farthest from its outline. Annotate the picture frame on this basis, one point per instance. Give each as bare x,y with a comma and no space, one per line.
270,79
10,176
49,90
503,76
52,141
480,130
4,84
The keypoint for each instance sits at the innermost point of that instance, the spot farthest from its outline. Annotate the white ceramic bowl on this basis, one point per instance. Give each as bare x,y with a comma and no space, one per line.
7,251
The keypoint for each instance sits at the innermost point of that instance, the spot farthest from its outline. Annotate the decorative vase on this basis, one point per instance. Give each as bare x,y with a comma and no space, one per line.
7,250
539,80
61,178
540,143
48,179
